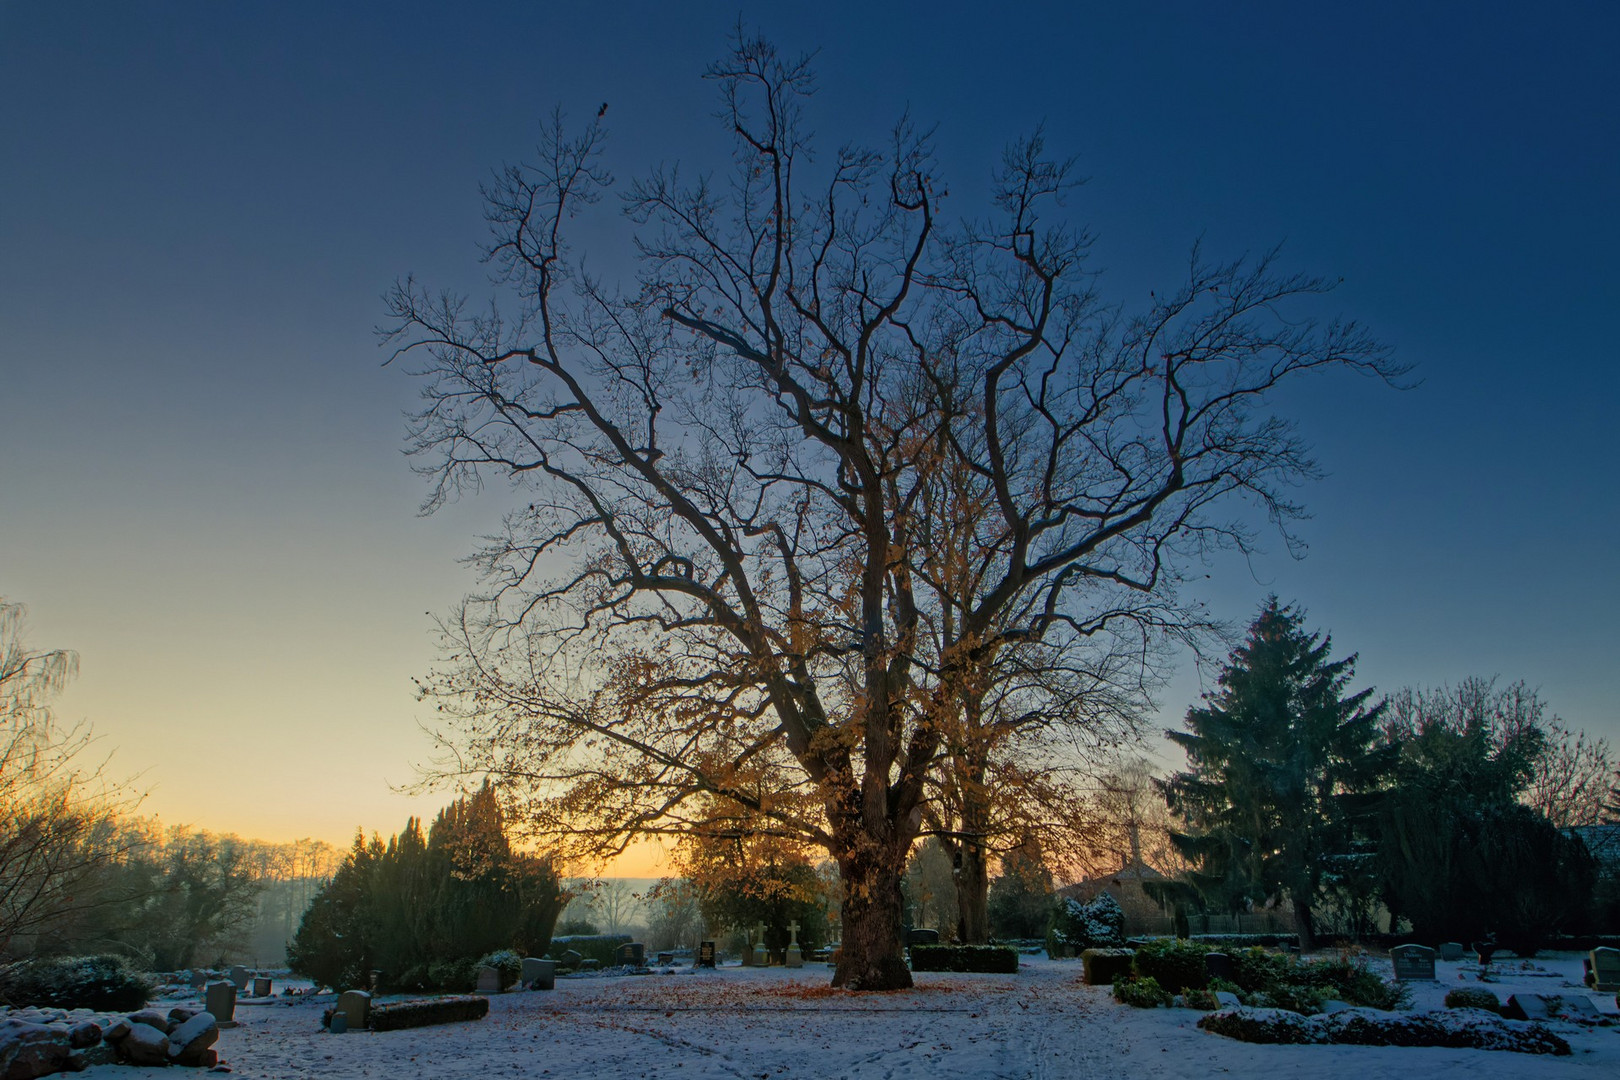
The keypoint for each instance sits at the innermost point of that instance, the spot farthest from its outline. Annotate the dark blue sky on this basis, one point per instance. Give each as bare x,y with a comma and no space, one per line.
200,204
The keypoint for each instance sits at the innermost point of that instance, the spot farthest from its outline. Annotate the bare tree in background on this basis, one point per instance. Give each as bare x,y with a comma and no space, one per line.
1570,777
58,810
719,564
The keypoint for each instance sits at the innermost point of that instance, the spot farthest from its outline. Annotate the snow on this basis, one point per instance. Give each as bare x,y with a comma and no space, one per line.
766,1023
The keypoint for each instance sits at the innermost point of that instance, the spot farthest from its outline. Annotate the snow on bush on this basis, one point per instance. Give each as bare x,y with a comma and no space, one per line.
1468,1029
1099,924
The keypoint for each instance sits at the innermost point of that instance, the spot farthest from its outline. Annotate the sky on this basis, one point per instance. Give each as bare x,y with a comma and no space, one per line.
202,484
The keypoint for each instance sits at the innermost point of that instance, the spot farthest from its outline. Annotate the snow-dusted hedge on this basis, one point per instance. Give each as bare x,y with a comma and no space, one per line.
1140,992
602,948
1100,967
1466,1029
993,959
1473,997
410,1014
74,982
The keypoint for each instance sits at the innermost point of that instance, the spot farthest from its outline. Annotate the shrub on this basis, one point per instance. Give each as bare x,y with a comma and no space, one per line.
1462,1031
456,976
1099,924
409,1014
1200,999
1473,997
1254,969
1348,979
508,963
1174,963
1101,967
1261,1026
75,982
991,959
1140,992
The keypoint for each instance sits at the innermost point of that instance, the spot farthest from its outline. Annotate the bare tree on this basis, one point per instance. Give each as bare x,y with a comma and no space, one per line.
1570,777
58,810
722,570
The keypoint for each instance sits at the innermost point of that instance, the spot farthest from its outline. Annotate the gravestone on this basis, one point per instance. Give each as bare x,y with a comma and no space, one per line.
489,980
198,978
355,1006
338,1025
665,959
1550,1007
1413,963
631,954
1451,950
706,955
1218,965
239,977
219,998
539,974
794,957
747,959
922,937
590,963
261,986
570,958
1605,968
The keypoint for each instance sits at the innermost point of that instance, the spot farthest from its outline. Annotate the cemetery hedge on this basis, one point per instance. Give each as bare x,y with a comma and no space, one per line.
987,959
1140,992
75,982
397,1015
1268,978
1473,997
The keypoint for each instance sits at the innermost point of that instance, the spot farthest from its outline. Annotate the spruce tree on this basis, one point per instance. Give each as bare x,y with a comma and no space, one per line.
1284,765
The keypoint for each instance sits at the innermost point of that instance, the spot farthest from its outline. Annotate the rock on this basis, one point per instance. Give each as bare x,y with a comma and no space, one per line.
180,1014
145,1045
190,1041
152,1018
100,1054
84,1033
31,1050
117,1032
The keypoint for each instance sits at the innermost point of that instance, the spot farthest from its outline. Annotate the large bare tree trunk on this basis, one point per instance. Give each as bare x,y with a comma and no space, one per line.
972,875
872,957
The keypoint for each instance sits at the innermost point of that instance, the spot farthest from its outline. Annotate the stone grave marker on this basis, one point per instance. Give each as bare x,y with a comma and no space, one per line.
922,937
489,980
261,986
590,963
239,977
539,974
1413,963
571,958
706,954
198,978
219,998
1605,968
1218,965
355,1005
631,954
1550,1007
1451,950
794,957
665,959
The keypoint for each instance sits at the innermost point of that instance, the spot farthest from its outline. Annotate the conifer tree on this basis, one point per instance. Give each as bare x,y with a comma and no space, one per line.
1283,767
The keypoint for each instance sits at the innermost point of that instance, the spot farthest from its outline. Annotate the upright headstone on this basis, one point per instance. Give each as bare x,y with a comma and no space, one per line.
1451,950
1413,963
571,958
631,954
219,998
539,974
922,937
747,958
762,955
1218,965
793,958
239,977
355,1005
1605,968
706,954
489,980
261,986
198,978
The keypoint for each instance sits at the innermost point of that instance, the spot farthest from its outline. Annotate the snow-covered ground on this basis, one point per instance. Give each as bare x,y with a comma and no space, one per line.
766,1023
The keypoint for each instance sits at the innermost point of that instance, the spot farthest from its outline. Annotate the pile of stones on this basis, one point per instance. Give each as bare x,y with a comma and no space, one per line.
38,1042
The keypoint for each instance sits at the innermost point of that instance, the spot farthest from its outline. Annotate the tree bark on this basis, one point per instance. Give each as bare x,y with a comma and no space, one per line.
872,955
971,873
1302,923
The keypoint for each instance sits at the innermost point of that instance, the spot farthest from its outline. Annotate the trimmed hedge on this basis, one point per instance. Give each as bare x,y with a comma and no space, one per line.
1100,967
1140,992
411,1014
1174,964
988,959
1461,1030
75,982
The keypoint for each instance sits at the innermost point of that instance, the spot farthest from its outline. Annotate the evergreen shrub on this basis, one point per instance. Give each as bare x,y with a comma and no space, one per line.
75,982
1204,1000
990,959
1099,924
1140,992
1473,997
603,948
508,963
396,1015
